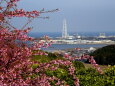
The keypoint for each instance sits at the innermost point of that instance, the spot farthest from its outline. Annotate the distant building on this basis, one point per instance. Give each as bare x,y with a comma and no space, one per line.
102,35
64,31
65,34
91,49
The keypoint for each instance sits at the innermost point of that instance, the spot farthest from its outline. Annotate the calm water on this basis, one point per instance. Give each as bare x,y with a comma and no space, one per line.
68,46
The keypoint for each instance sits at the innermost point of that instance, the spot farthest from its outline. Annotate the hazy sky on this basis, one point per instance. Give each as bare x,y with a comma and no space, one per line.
81,15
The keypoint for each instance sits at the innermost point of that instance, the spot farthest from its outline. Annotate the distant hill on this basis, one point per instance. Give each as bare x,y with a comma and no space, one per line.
105,55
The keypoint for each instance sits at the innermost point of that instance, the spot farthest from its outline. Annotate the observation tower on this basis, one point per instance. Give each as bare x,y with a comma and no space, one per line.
64,30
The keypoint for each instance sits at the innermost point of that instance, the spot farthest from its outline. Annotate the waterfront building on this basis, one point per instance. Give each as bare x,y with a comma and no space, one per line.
102,35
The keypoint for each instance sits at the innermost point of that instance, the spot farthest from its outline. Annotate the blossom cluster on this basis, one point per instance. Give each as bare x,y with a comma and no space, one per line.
54,64
22,13
10,11
84,56
16,55
92,61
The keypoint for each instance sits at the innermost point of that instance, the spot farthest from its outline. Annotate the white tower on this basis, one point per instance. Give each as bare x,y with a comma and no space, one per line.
64,31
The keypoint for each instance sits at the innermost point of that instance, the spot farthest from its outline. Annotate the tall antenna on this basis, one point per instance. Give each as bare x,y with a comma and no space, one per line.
64,31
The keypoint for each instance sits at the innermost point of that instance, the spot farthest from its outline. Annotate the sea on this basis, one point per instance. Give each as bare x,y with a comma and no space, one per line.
70,46
59,34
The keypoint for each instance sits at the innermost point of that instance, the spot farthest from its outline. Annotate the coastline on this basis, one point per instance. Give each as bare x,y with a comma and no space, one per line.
86,43
108,42
63,47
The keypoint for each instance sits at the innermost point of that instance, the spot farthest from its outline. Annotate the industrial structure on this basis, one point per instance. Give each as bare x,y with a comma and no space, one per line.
65,34
77,39
64,30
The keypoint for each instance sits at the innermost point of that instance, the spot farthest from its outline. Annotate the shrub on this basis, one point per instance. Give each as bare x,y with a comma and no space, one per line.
41,58
105,55
110,71
62,74
90,77
53,56
78,64
59,73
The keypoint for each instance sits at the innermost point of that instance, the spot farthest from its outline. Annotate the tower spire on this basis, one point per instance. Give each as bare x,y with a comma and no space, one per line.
64,31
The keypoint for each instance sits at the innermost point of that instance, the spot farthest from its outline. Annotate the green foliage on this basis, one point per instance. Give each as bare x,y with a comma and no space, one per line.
87,77
87,71
110,76
35,66
62,74
41,59
78,64
52,55
49,73
49,57
69,81
90,77
59,73
105,55
110,71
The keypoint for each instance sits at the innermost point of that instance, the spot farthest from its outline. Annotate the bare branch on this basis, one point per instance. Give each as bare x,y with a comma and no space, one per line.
29,21
55,10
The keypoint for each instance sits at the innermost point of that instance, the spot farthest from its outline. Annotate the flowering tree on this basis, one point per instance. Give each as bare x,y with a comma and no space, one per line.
17,50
